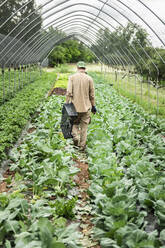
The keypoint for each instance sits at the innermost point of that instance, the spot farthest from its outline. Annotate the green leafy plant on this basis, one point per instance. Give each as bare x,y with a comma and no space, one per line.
126,159
15,113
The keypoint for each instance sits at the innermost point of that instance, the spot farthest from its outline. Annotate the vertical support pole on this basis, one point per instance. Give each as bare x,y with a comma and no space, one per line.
3,84
149,100
101,68
113,77
135,86
32,72
125,80
157,109
9,78
22,69
120,79
128,77
129,81
148,84
14,89
35,69
29,73
19,78
104,72
40,66
141,89
116,78
108,70
114,72
26,74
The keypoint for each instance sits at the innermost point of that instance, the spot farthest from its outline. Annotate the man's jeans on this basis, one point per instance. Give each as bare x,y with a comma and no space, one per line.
79,130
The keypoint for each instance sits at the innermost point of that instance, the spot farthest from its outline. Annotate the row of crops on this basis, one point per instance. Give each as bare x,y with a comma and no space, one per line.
126,157
35,213
126,160
15,113
13,80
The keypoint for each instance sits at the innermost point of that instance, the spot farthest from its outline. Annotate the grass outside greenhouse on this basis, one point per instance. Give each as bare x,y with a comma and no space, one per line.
146,95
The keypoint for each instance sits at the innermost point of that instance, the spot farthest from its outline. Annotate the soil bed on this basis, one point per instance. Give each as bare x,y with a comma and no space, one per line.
4,185
58,91
83,208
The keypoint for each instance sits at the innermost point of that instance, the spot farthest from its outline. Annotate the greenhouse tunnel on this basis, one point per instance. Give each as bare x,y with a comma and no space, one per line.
27,41
30,33
111,193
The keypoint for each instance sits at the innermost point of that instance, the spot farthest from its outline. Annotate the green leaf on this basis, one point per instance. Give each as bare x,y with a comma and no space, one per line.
4,215
45,148
18,177
46,231
99,233
140,219
22,239
34,244
55,244
7,244
73,170
108,243
162,235
18,202
161,217
8,180
12,226
4,199
64,174
14,214
140,239
69,234
2,234
60,222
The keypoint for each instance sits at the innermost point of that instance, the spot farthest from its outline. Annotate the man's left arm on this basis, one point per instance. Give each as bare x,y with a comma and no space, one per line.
69,92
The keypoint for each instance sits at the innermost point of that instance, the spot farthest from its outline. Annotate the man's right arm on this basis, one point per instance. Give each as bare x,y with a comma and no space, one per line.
91,92
92,96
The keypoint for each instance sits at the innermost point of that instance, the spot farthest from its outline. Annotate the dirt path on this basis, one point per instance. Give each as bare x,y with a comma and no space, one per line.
5,184
83,208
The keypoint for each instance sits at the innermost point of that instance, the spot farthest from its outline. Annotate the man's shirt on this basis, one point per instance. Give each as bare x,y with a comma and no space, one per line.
81,91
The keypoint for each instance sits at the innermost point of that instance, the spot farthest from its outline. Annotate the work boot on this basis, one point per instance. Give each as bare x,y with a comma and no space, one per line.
75,142
82,148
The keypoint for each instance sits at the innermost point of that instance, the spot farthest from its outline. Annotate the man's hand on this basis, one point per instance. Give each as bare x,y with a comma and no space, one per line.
93,110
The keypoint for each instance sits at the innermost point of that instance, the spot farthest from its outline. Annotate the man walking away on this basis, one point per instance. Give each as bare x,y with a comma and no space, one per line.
81,93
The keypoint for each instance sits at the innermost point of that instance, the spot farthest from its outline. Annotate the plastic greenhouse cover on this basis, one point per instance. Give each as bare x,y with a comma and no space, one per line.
81,19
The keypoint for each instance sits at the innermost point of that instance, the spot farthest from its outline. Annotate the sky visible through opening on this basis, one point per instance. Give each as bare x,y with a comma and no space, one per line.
158,6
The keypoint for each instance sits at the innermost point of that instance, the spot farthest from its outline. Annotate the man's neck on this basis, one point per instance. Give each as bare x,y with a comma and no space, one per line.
81,70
